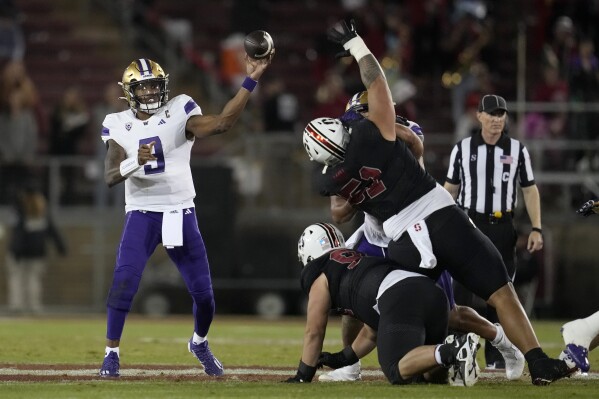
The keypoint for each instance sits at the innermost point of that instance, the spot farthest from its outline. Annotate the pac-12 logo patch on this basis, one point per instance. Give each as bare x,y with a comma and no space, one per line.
128,126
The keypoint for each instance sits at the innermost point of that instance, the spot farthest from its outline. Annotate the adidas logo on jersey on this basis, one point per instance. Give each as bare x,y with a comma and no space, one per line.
162,122
188,211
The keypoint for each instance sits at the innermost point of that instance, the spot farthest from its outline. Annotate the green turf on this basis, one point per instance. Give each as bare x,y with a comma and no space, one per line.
236,341
163,390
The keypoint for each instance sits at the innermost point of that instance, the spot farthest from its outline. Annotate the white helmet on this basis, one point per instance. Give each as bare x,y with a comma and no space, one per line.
325,140
318,239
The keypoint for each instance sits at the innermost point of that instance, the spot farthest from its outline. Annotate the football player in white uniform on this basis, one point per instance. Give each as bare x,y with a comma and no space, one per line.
149,147
581,335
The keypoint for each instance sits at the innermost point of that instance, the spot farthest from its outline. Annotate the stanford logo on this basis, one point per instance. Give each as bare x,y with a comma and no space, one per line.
417,227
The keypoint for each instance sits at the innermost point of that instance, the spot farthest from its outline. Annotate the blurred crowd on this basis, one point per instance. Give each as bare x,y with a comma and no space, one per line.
438,55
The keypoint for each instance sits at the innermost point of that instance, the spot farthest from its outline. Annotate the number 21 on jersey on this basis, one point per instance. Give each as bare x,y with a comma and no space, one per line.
355,191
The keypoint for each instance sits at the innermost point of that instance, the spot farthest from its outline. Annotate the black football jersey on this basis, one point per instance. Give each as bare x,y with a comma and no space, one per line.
354,281
378,176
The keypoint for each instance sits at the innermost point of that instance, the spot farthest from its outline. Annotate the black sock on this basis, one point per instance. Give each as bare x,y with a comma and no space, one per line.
447,353
534,354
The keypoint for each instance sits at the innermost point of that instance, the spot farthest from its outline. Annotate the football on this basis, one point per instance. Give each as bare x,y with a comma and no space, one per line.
258,44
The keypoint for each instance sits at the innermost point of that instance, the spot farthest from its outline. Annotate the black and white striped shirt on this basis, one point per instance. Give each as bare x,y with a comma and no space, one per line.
487,173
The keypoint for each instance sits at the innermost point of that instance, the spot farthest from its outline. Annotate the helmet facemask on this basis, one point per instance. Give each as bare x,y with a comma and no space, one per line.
154,100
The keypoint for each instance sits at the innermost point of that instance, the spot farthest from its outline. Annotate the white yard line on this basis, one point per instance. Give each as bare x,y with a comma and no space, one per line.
156,372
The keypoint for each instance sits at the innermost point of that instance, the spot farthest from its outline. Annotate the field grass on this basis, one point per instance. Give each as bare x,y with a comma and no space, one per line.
239,342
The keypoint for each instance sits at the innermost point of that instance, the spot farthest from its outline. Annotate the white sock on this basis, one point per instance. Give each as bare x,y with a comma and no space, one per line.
197,339
108,350
499,336
593,323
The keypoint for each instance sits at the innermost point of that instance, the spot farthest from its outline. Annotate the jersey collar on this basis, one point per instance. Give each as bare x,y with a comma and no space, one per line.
503,141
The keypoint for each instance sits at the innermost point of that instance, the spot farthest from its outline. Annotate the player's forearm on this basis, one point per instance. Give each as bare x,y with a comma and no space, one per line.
113,177
411,139
370,70
341,217
112,164
365,342
232,110
210,125
312,347
532,201
341,210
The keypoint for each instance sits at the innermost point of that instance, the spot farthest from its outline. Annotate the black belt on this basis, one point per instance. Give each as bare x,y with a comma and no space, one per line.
493,218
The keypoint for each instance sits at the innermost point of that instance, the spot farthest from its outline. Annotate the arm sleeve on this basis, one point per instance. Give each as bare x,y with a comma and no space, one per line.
105,133
526,176
190,107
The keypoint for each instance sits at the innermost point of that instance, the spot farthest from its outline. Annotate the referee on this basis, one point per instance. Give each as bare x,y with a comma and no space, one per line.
482,176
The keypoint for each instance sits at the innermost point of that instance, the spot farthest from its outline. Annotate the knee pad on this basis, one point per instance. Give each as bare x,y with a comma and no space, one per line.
202,296
123,289
394,376
200,285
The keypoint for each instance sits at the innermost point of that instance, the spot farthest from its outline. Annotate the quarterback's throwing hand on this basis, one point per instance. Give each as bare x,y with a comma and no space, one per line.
588,208
255,68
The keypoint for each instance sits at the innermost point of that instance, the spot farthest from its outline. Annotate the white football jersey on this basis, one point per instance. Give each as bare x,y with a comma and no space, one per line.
165,183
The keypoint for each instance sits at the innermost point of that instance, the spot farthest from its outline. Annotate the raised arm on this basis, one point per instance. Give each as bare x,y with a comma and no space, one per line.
380,104
209,125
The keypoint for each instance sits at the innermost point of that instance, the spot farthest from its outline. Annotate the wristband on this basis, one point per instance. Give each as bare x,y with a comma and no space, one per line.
129,166
357,48
305,372
538,230
249,84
